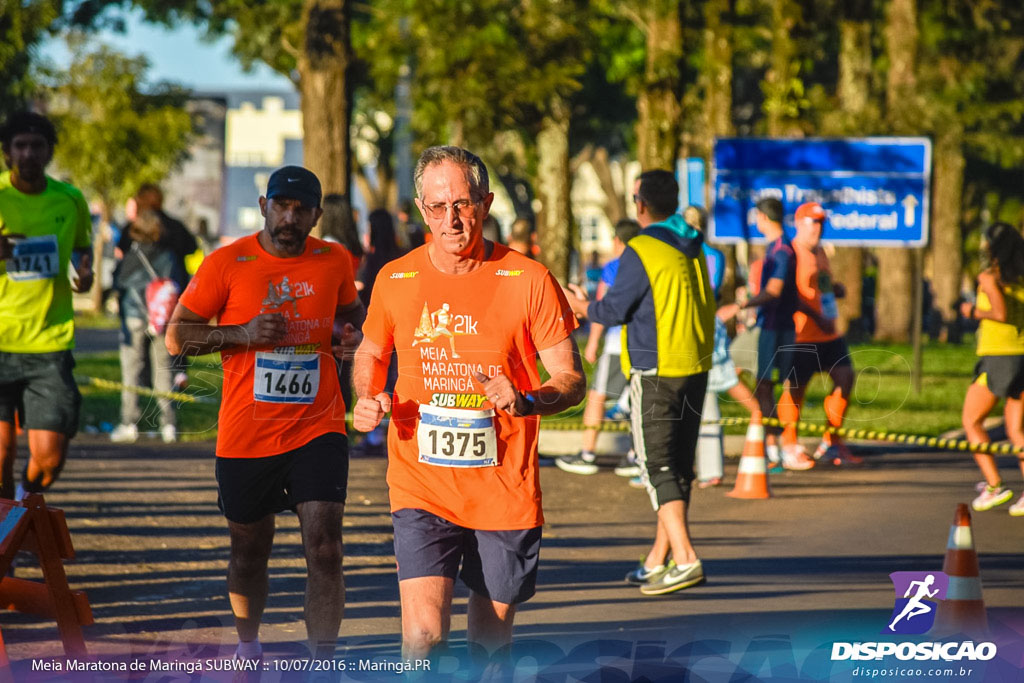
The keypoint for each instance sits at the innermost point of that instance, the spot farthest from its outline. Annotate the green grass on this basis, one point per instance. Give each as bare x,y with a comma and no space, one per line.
96,321
883,399
196,421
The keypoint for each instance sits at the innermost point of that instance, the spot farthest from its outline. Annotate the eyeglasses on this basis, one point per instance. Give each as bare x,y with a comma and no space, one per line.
464,208
636,199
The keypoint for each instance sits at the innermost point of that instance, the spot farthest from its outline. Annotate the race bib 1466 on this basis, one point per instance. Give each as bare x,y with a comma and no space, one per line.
286,378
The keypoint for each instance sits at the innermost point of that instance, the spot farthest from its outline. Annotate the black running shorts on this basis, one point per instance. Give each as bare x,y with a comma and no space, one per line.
665,416
41,388
249,489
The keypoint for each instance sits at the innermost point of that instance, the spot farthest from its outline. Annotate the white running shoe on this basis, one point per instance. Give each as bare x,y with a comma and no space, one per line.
1017,509
169,433
991,497
125,433
795,458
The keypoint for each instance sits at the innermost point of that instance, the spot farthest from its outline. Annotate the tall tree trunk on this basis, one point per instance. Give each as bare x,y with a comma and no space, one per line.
718,70
659,109
782,70
614,202
947,209
326,97
853,94
554,228
894,300
99,255
717,87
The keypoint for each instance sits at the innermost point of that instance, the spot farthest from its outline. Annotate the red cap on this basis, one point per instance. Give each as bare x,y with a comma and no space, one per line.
810,210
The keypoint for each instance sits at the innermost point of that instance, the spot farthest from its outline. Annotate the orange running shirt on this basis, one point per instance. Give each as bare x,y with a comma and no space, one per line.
276,399
493,320
814,285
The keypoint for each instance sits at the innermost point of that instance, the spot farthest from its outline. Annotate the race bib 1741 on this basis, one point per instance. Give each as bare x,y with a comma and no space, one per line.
34,258
449,437
286,378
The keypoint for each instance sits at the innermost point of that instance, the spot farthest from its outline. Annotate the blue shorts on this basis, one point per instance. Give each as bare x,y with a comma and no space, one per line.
499,565
775,349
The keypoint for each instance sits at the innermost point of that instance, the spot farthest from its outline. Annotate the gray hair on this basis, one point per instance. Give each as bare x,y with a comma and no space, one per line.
475,169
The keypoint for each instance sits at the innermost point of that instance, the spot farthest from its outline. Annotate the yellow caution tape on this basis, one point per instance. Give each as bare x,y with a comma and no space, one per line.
144,391
624,425
809,428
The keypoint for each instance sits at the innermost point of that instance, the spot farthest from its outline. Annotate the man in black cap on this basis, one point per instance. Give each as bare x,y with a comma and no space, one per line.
284,303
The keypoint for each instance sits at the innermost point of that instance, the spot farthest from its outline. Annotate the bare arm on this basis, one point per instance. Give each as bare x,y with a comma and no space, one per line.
368,374
348,320
564,389
989,284
771,292
567,384
193,335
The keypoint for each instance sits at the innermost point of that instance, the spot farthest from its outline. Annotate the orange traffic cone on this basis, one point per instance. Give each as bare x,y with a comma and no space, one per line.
963,610
752,475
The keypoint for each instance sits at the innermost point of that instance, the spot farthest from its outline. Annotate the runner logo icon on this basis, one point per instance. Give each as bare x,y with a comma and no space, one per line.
917,595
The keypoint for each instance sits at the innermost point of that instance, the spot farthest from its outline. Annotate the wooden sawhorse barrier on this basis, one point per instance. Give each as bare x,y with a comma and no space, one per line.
31,526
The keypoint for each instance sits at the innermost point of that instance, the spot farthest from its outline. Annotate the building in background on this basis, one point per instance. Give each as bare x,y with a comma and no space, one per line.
195,191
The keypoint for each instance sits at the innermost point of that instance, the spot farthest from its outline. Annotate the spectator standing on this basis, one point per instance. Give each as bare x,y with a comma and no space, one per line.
608,379
662,293
145,361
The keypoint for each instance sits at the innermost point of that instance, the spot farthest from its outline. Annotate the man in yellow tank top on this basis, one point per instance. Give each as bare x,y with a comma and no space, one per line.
44,225
1000,369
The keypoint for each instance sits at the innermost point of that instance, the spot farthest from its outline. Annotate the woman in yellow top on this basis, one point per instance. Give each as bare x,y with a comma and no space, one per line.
1000,369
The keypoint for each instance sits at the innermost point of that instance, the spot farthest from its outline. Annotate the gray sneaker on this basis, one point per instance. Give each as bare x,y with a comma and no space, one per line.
642,574
674,578
577,464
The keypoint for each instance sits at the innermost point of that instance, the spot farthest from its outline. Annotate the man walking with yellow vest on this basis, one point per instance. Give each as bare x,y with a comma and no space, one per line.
663,296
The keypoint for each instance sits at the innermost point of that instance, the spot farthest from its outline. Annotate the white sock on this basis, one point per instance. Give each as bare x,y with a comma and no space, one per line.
249,650
773,453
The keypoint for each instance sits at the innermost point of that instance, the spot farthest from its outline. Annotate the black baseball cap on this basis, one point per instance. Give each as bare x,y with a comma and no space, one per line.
295,182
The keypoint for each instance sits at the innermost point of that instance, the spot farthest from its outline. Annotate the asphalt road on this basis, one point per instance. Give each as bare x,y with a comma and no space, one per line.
786,576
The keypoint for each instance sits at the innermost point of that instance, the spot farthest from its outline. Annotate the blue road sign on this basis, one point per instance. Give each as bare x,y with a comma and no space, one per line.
690,174
875,190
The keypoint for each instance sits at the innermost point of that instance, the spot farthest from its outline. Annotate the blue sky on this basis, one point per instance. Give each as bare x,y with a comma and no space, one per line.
182,56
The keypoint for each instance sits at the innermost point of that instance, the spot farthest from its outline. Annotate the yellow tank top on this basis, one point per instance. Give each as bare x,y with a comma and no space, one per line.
1003,339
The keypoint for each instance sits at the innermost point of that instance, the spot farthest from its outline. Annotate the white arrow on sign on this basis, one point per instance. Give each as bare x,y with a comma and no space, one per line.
909,204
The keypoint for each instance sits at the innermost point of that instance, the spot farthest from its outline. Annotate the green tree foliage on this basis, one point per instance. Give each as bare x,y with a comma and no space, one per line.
307,41
496,76
23,24
115,132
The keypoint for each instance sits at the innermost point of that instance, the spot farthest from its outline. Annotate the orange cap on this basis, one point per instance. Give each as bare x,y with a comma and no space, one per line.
810,210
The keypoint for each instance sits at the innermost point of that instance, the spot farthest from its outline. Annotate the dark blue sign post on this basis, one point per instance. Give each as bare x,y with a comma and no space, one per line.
875,190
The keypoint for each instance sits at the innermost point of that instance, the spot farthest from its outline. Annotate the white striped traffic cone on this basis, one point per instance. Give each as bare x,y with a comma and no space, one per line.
963,610
752,475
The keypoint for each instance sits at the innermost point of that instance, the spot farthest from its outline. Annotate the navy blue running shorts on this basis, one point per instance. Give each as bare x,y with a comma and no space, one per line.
775,350
499,565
